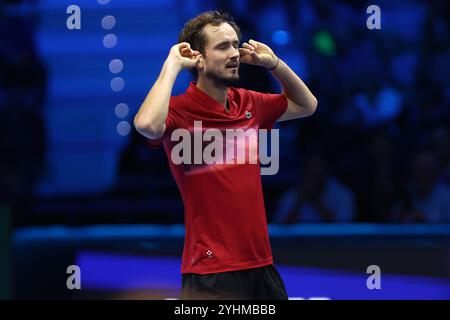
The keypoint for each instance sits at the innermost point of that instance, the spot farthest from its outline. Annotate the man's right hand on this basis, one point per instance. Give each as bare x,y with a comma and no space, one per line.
182,56
151,117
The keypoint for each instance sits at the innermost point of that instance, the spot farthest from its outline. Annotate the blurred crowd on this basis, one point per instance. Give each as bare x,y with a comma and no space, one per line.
22,96
378,148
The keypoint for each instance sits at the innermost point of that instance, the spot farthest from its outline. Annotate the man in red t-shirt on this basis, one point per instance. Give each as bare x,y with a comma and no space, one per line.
226,252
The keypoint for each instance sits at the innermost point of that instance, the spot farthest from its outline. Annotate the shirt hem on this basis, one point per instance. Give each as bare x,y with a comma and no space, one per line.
231,267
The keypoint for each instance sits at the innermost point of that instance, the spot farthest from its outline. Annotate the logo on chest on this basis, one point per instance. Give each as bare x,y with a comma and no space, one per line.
198,148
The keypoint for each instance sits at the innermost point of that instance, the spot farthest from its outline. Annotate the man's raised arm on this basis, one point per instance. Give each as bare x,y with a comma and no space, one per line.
301,102
151,117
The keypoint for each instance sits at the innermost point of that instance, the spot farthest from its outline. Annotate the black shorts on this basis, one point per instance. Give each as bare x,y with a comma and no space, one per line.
263,283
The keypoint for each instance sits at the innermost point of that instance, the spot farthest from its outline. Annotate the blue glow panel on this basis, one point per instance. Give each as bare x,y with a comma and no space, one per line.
125,272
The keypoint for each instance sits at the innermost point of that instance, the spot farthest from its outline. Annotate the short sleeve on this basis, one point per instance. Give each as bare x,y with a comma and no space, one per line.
269,107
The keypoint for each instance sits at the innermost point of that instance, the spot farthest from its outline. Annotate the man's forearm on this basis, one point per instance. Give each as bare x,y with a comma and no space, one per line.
293,87
151,117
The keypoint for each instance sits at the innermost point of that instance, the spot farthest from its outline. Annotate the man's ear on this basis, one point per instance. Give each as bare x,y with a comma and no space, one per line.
201,63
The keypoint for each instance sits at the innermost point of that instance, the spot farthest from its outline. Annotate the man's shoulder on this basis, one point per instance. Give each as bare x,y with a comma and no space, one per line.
252,94
180,100
179,97
244,95
243,91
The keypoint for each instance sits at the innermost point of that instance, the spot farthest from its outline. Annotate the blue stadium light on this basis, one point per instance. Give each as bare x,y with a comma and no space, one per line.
281,37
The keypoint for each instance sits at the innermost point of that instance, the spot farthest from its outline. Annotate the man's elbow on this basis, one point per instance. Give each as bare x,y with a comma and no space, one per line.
148,128
311,107
314,105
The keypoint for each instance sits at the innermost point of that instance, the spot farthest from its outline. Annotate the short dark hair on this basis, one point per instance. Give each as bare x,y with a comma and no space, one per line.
193,30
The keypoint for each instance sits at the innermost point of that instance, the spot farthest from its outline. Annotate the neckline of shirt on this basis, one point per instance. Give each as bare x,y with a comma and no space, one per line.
209,102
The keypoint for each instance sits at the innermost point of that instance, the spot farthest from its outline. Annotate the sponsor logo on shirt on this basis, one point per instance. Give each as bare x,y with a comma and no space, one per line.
226,147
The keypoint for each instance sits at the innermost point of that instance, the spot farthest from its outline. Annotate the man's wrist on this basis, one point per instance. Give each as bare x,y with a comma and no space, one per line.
274,65
172,66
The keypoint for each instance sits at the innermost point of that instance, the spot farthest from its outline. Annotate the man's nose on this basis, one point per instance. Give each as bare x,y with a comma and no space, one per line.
235,55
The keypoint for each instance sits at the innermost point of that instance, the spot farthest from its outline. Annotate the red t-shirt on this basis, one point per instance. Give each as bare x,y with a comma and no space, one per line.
224,213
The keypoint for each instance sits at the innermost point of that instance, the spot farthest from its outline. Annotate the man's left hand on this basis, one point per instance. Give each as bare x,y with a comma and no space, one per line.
257,53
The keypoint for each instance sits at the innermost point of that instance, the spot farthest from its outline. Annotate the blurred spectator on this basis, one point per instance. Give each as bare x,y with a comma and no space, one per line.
318,197
425,199
384,107
375,176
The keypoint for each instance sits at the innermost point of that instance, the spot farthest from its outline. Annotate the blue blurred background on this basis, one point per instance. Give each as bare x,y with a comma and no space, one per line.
365,180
